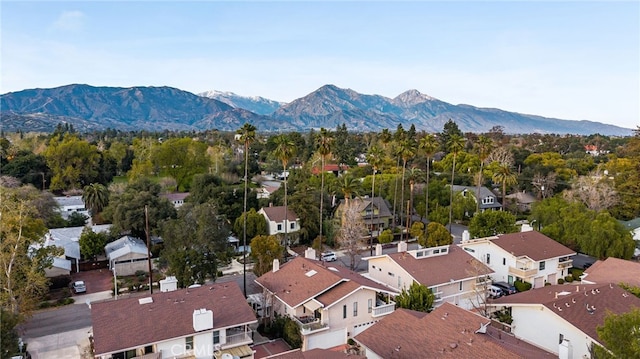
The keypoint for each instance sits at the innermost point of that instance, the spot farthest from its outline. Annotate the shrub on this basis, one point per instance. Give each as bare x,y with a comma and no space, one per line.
546,284
568,279
560,281
291,333
58,282
522,286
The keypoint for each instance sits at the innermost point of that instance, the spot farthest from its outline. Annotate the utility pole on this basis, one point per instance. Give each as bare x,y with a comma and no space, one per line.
146,220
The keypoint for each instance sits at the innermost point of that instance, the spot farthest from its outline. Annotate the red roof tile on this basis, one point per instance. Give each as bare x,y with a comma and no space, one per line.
614,270
532,244
125,323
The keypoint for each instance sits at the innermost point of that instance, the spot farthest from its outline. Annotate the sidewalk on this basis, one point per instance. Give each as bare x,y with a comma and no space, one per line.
93,297
235,268
68,345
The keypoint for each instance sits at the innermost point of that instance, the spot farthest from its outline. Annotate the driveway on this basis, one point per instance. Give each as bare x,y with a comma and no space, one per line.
98,280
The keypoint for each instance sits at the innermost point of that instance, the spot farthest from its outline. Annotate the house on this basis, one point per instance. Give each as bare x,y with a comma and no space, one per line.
68,205
522,200
68,239
201,322
528,256
176,198
488,199
329,303
563,318
613,270
451,273
447,332
634,227
374,211
336,169
127,255
265,191
277,221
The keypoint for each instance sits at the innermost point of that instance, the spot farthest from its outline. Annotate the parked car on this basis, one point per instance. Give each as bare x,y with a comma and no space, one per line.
495,292
506,287
328,257
79,287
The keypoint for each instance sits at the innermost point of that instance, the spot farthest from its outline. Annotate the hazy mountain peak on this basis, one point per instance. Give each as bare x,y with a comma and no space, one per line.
413,97
256,104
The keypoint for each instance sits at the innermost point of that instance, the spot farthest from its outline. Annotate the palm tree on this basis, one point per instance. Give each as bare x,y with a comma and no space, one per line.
455,145
95,197
247,135
284,151
415,174
374,158
406,151
484,147
505,177
429,145
324,142
349,186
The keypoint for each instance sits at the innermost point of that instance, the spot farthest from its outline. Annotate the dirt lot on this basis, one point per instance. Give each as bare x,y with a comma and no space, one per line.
96,280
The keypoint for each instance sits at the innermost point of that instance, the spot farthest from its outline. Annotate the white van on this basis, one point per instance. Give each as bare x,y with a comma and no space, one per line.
495,292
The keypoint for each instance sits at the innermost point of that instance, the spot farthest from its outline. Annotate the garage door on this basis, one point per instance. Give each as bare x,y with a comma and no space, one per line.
538,282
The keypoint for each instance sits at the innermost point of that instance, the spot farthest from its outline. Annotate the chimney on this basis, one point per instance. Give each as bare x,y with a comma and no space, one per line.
402,246
465,236
168,284
202,319
270,204
276,265
378,249
310,253
526,228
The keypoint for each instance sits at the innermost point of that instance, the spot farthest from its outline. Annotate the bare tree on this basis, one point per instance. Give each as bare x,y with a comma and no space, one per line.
501,155
544,185
596,191
350,235
481,288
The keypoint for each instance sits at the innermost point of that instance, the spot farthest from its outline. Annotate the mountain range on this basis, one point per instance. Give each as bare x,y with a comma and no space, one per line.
158,108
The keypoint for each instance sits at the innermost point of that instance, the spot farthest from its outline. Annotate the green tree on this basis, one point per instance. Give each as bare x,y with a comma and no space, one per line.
92,243
247,136
264,249
505,177
484,146
195,243
449,130
8,334
455,145
385,236
181,158
256,224
95,197
349,186
418,231
305,203
72,161
620,334
418,298
324,144
429,146
285,150
407,151
437,235
491,223
375,158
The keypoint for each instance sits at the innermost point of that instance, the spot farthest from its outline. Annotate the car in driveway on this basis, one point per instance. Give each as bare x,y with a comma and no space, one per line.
79,287
328,257
506,287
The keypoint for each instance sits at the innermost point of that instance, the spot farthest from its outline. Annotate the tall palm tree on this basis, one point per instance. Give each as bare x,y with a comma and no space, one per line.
349,186
95,197
285,150
406,150
374,158
415,174
455,145
483,147
429,145
506,177
247,136
324,143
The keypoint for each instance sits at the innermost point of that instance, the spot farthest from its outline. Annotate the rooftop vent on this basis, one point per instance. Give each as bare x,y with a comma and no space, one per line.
483,328
145,300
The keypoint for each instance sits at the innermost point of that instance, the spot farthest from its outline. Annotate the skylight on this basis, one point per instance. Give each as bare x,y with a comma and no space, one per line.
311,273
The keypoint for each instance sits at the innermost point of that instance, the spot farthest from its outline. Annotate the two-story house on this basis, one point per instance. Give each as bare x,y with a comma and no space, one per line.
452,274
374,211
529,256
202,322
329,302
71,204
563,318
613,270
278,221
488,199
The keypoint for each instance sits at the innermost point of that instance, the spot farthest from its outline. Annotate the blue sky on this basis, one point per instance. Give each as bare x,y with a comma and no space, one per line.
576,60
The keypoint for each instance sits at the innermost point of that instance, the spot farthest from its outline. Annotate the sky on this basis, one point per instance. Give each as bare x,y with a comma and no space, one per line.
575,60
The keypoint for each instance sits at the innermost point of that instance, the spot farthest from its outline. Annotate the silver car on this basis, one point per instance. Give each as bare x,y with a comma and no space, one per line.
79,287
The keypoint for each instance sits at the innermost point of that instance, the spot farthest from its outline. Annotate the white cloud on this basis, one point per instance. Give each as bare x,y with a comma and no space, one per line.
69,21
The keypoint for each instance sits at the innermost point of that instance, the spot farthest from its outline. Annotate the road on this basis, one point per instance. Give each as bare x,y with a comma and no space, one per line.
58,320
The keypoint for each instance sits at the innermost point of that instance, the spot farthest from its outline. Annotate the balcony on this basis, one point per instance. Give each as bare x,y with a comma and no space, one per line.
309,325
382,308
565,264
522,272
234,340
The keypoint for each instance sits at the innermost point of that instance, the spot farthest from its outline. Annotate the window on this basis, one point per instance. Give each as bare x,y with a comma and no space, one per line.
542,265
292,225
355,309
369,305
279,227
188,343
148,349
504,261
216,337
560,338
488,258
344,311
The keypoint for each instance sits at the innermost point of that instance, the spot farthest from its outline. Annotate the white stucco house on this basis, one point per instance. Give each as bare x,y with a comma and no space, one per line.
70,204
127,255
563,318
451,273
204,322
329,302
177,199
529,256
278,221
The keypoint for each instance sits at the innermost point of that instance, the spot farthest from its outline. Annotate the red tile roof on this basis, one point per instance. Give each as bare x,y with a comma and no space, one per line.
447,332
614,270
276,213
125,323
302,279
570,303
532,244
431,271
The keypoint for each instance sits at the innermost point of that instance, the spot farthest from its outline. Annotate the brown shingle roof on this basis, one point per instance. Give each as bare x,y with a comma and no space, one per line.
447,332
276,214
125,323
314,354
604,297
532,244
294,284
430,271
614,270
